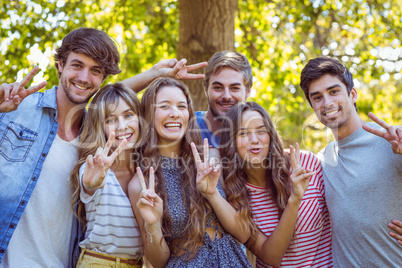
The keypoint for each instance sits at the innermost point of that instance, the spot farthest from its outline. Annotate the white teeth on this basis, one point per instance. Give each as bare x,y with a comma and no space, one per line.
80,87
121,137
332,112
172,125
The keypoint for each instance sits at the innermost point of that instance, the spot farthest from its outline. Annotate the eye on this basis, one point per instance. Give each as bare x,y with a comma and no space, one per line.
97,71
334,91
164,106
217,87
183,107
263,131
109,121
316,98
128,116
75,65
242,133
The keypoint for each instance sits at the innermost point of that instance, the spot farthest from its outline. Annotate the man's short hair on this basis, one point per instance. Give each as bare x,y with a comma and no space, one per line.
229,59
318,67
92,43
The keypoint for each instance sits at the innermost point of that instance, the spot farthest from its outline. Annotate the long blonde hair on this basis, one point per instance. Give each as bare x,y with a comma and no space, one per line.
93,135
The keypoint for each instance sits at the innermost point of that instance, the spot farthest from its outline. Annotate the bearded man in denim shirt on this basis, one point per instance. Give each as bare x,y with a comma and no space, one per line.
38,138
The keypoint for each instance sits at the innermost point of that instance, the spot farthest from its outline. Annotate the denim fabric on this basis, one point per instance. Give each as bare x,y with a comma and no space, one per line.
213,140
25,139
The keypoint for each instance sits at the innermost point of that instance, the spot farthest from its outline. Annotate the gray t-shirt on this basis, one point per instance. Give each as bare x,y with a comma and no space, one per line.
363,188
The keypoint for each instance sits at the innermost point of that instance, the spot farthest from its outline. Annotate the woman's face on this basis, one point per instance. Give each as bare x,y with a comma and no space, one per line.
171,115
252,138
123,122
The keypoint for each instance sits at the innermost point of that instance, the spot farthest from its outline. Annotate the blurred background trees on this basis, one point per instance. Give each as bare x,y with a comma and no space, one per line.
278,37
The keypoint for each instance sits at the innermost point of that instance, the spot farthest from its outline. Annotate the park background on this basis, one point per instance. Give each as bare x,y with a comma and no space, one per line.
277,36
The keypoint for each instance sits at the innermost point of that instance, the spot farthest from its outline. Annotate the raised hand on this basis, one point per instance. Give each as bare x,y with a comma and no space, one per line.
300,176
397,233
98,165
149,204
11,95
179,69
207,173
393,134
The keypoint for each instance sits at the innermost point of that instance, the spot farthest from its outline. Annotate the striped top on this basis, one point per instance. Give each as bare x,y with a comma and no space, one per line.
312,245
111,225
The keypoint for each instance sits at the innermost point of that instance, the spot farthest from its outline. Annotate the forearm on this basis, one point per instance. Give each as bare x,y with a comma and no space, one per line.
142,80
156,249
228,217
274,247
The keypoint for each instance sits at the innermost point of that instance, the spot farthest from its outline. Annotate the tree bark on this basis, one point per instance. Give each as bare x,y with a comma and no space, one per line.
206,27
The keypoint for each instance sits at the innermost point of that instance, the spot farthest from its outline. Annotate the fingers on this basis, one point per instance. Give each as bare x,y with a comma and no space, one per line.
33,89
374,131
195,154
29,76
179,65
196,66
295,156
141,178
152,179
206,152
378,120
109,143
90,161
119,149
397,227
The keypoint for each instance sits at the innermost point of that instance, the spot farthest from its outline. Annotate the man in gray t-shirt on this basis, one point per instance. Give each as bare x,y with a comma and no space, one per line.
362,171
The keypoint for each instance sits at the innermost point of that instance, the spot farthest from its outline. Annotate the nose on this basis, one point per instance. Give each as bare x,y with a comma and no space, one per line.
328,101
226,94
83,75
252,138
174,112
121,123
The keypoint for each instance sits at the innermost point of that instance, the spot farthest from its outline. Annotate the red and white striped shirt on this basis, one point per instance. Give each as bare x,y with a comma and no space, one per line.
312,245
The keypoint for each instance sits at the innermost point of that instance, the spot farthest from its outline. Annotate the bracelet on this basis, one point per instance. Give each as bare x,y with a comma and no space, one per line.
151,235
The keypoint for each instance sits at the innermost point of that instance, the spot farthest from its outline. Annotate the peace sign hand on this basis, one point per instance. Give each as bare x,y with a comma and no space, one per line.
300,177
11,95
98,165
149,204
207,173
393,134
178,69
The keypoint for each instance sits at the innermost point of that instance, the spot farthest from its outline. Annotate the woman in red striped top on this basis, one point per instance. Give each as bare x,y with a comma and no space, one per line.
266,185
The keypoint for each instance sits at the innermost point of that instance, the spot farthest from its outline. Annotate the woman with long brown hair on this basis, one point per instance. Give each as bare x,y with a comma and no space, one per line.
178,225
281,193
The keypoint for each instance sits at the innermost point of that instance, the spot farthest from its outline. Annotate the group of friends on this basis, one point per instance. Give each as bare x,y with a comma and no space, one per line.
116,179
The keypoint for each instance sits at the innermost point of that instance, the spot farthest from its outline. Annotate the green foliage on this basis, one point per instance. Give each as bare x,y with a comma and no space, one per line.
277,36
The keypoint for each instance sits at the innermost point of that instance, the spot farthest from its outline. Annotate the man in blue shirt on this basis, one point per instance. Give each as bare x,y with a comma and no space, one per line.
38,138
228,80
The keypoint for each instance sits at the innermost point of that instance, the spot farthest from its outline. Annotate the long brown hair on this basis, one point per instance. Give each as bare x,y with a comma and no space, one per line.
93,135
197,208
278,167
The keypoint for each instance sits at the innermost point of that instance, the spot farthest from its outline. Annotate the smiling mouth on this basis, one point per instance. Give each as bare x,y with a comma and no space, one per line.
330,113
173,126
80,87
124,136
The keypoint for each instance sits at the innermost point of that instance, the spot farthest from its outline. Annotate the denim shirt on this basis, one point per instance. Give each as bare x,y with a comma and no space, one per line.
25,139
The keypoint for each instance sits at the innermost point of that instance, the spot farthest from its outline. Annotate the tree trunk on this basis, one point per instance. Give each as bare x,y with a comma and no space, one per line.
206,27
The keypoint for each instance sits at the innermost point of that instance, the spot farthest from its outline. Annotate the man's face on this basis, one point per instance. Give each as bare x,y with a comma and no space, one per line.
331,102
225,89
80,78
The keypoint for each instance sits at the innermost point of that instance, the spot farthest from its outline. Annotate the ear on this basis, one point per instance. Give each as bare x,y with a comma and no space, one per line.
353,95
206,92
248,92
60,66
